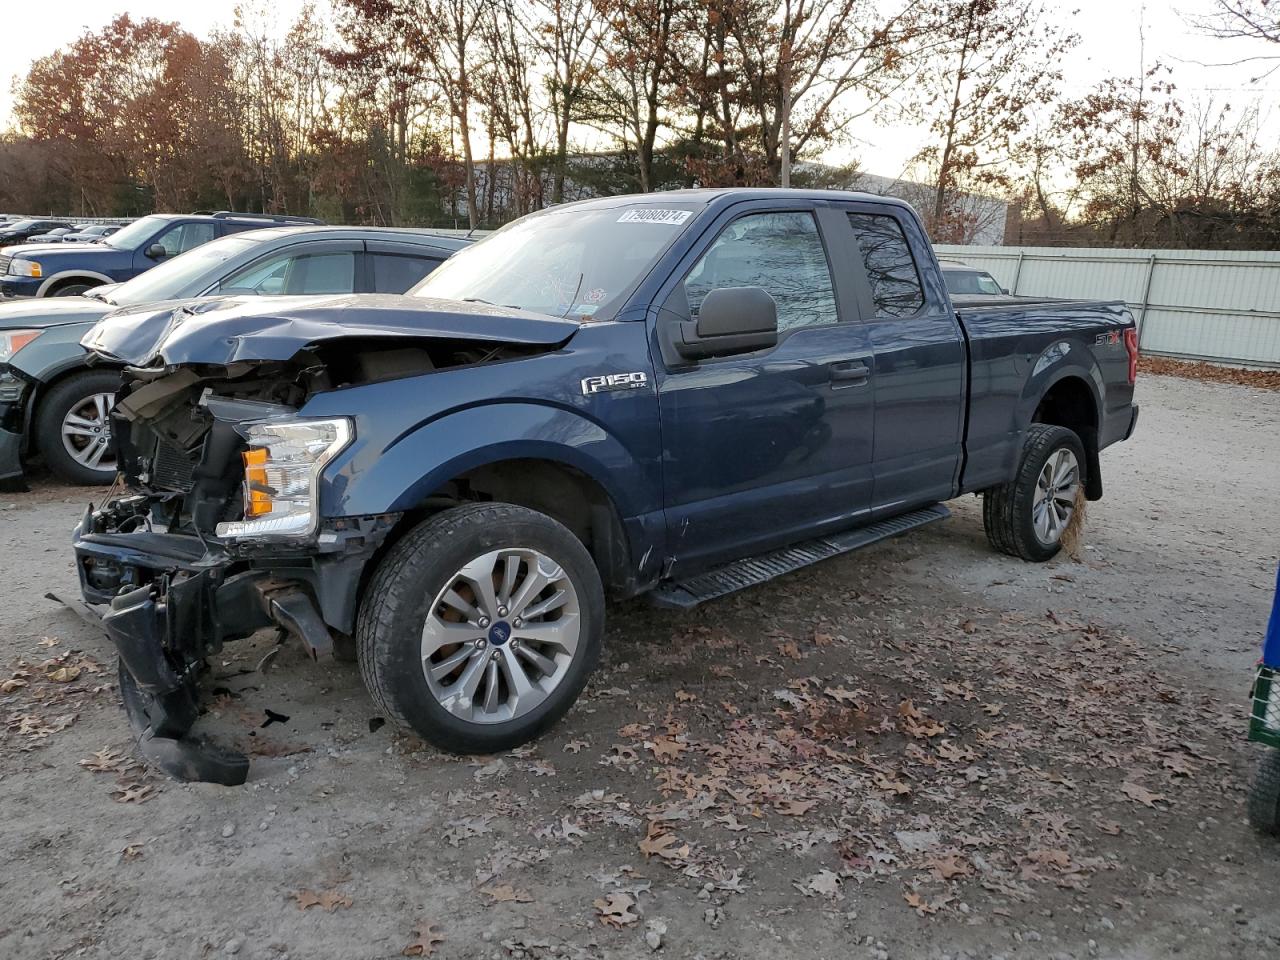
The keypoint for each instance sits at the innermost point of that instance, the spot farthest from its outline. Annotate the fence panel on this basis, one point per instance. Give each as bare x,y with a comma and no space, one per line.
1204,304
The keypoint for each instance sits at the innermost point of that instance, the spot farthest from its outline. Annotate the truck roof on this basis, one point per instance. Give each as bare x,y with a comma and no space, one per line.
722,196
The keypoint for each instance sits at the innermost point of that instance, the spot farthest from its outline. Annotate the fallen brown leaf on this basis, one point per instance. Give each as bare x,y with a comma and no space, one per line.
425,938
1139,793
326,900
134,793
615,909
506,893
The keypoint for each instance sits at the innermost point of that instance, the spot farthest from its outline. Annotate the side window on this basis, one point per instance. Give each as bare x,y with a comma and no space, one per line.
185,236
396,273
295,274
780,252
891,269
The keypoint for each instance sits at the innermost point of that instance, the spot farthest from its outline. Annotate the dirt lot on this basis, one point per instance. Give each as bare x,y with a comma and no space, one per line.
924,750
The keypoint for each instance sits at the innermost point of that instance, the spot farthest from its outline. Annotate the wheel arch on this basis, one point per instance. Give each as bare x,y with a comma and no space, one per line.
63,277
1070,401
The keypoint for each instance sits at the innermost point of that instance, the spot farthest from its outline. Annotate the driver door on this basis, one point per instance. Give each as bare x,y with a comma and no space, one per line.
774,446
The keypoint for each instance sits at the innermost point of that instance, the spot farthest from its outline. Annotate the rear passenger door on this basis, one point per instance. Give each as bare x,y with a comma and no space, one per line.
765,448
396,267
918,360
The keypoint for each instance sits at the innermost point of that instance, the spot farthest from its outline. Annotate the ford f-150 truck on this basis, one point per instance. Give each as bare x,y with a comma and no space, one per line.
681,394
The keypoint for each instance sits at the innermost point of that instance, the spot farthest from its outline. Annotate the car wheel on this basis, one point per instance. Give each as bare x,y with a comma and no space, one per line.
480,627
1264,795
71,290
73,429
1027,516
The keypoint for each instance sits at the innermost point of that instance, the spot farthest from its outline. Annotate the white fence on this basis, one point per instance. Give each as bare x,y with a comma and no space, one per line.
1219,305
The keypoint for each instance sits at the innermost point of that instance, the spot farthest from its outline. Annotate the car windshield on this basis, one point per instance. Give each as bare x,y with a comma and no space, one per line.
971,282
174,278
127,238
578,263
22,225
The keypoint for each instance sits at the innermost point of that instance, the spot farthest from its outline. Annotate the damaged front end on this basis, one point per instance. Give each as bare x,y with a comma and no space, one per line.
218,537
219,533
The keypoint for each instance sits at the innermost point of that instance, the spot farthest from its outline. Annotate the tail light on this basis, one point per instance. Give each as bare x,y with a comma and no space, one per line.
1131,345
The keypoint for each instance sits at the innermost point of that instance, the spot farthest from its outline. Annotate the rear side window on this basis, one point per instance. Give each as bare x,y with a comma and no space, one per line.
780,252
891,269
396,273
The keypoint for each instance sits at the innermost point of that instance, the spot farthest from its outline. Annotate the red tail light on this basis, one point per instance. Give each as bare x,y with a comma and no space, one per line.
1131,344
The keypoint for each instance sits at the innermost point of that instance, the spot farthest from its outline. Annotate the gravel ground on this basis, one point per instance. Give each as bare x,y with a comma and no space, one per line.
923,750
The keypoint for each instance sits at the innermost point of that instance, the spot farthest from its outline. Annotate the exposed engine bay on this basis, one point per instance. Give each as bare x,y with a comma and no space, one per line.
218,533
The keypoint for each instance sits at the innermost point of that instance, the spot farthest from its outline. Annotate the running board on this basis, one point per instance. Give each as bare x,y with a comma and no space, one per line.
687,594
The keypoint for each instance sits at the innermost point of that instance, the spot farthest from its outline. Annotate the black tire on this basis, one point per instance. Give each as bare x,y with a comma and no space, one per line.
67,396
1007,509
1264,795
396,603
71,289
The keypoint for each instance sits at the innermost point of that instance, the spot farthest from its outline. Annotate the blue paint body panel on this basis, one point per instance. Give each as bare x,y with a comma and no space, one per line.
709,460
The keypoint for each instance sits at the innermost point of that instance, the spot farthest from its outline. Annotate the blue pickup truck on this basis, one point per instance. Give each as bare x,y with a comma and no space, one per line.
70,269
680,394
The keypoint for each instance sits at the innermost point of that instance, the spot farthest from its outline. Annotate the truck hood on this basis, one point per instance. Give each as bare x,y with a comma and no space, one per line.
35,314
227,330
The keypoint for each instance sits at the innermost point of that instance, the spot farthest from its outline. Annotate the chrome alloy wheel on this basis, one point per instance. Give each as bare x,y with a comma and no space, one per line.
86,433
501,635
1055,496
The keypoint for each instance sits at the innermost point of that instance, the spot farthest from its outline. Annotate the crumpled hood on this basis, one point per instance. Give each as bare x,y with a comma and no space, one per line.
226,330
37,313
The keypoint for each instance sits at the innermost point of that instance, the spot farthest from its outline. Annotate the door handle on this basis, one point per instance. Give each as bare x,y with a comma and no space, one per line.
849,371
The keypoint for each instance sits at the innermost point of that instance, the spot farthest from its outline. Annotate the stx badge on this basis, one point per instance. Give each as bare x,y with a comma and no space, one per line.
1103,339
614,381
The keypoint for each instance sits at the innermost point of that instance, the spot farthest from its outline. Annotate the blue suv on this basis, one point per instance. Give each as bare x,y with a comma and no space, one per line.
66,270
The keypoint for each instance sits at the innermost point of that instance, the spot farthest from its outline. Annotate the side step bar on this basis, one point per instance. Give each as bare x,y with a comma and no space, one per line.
687,594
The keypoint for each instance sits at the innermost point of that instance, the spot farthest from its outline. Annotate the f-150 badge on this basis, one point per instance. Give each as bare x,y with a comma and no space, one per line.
614,381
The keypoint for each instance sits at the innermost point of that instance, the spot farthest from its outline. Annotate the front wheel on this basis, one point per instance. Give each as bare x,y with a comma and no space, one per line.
479,629
1027,517
73,427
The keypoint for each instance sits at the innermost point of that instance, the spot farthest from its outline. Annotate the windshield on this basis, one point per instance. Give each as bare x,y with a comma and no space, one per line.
971,281
577,263
127,238
174,278
20,225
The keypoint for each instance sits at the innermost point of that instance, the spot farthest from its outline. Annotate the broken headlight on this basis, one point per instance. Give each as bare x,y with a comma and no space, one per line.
282,469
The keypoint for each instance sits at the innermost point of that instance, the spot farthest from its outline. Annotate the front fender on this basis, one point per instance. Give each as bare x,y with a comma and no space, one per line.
373,477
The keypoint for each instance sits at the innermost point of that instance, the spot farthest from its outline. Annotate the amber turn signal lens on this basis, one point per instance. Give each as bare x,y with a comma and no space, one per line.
257,493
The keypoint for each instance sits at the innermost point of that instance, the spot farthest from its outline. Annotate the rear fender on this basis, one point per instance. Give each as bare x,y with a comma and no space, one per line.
1060,361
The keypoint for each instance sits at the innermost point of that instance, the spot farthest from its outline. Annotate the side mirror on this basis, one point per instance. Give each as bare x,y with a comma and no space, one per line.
156,252
731,320
1004,290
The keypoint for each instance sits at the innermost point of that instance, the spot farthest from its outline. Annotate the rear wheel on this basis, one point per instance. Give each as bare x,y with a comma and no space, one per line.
479,629
1027,516
73,427
1264,795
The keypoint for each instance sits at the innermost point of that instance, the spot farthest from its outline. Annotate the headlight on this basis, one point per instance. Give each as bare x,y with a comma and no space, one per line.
24,268
281,476
11,341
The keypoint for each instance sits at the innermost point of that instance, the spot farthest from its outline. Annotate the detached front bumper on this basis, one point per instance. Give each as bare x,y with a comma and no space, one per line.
171,603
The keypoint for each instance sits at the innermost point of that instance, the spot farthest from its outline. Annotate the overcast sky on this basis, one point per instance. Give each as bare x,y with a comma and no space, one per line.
1109,28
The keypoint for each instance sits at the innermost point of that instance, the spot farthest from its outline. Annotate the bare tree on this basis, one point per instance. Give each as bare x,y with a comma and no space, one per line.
996,62
565,33
1257,20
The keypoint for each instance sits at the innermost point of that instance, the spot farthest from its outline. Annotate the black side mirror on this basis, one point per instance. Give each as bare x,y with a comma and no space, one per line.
156,252
1004,290
731,320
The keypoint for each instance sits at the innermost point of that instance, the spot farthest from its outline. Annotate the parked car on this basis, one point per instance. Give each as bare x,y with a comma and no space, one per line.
677,394
64,270
54,402
92,234
21,231
966,281
54,236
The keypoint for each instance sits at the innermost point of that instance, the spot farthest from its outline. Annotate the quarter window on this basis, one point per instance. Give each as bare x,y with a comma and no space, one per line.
891,269
780,252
